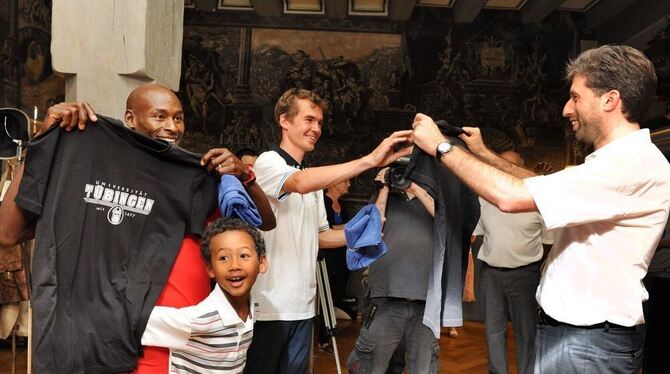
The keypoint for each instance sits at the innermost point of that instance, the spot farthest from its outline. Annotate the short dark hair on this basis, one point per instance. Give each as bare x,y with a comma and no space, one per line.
621,68
224,224
246,152
288,102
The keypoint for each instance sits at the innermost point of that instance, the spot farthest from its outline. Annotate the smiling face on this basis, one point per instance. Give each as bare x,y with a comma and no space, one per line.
300,133
235,264
583,111
156,112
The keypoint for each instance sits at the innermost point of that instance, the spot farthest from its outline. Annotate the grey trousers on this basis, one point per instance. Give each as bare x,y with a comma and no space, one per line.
388,324
509,295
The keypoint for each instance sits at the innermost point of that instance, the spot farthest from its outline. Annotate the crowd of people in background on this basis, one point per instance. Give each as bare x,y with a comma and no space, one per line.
235,296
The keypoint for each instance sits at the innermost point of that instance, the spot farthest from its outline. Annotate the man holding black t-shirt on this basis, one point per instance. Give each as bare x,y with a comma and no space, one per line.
133,218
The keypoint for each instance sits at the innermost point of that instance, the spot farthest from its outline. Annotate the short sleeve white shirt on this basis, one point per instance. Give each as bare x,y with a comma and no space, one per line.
612,211
208,337
511,240
287,291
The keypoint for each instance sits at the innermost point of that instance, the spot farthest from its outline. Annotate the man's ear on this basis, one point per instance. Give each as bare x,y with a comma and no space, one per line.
129,117
284,122
264,265
610,100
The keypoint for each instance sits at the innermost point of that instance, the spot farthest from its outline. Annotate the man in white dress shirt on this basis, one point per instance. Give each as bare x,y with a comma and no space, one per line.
610,211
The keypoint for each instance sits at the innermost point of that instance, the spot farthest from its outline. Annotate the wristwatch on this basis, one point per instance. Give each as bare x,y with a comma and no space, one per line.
442,149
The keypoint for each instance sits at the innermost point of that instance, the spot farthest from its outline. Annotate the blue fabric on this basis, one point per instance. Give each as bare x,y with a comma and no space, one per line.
363,234
235,202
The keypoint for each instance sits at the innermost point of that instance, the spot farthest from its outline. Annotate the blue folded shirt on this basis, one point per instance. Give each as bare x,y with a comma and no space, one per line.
363,234
235,202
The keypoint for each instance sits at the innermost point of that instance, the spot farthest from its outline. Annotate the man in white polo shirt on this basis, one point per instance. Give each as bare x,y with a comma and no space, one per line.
287,294
611,211
511,253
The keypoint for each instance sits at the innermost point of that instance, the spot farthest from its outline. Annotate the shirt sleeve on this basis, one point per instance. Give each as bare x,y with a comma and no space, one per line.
167,327
271,173
37,169
323,217
479,230
584,194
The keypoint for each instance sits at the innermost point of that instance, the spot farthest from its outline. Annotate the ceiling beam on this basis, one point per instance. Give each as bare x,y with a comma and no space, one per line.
644,17
603,10
401,10
534,11
268,8
465,11
336,8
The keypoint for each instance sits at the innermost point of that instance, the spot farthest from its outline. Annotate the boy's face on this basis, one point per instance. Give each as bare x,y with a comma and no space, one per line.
235,263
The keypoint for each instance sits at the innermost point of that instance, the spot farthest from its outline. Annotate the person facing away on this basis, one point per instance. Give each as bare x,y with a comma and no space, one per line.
214,335
610,212
512,254
287,293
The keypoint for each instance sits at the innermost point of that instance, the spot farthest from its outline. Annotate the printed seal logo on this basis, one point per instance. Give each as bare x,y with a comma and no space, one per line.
118,201
115,215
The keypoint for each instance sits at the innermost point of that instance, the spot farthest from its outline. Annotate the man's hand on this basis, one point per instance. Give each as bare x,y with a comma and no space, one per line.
426,133
70,115
473,139
224,162
543,168
381,175
387,151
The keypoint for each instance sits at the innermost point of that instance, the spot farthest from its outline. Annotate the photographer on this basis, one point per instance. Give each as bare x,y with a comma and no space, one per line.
400,309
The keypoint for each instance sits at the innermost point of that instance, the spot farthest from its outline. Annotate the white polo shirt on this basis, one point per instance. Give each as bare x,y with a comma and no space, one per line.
612,210
287,291
208,337
511,240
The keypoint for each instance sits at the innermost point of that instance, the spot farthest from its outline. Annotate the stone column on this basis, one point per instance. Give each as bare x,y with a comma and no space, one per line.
108,48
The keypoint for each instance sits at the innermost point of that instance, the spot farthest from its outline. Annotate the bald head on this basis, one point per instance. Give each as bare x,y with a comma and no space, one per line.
155,111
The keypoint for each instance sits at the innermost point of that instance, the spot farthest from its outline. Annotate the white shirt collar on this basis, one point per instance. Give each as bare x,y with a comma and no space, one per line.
227,313
622,143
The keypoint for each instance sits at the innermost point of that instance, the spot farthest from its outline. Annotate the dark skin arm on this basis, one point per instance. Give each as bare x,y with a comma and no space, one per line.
223,162
15,224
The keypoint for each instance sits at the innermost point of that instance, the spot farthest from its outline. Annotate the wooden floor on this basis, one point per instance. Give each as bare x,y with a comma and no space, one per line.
463,354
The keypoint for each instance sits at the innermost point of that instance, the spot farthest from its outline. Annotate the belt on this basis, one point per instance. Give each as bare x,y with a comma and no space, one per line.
500,268
388,298
544,319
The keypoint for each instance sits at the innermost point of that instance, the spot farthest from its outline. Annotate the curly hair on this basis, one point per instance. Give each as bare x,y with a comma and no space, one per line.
288,102
621,68
222,225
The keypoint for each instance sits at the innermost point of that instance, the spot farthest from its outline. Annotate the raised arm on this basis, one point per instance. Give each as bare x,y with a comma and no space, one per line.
506,191
223,162
318,178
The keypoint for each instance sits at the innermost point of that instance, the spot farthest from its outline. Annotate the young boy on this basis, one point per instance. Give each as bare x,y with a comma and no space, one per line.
213,336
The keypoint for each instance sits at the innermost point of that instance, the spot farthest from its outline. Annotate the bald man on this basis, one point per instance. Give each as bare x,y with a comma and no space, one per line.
154,111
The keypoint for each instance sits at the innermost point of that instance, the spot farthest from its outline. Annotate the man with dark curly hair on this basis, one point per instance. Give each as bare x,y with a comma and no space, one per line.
215,334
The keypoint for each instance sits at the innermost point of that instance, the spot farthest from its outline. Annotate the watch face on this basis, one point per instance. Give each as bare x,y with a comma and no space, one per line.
444,147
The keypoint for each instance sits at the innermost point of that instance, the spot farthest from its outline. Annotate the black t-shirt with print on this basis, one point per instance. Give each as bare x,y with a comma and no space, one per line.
112,208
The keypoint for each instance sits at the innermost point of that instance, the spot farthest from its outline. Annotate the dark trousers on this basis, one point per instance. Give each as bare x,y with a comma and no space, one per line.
509,295
280,347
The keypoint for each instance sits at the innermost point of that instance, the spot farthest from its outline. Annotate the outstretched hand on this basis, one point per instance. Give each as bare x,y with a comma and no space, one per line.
70,115
473,139
426,134
224,162
392,148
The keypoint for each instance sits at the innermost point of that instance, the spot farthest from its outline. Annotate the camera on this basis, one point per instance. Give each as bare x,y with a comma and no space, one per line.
395,177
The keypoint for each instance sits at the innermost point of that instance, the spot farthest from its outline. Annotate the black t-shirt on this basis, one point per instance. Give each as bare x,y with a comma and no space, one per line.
112,207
